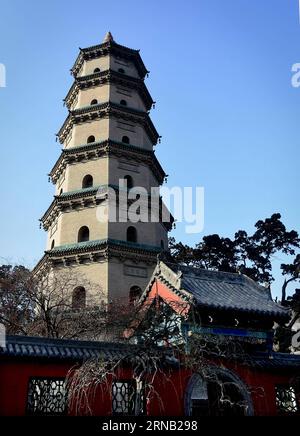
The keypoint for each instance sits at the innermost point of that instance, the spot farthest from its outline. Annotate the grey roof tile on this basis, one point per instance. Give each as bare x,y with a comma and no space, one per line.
46,348
58,349
221,290
276,361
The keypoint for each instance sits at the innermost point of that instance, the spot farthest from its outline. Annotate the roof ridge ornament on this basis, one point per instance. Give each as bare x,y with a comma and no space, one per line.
108,37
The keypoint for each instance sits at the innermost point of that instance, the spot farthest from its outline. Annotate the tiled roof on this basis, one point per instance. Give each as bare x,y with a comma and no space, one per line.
101,189
95,107
74,350
86,147
82,246
276,361
97,111
83,191
24,346
89,151
221,290
108,76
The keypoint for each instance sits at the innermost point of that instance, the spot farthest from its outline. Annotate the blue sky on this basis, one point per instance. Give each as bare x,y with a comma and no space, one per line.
221,76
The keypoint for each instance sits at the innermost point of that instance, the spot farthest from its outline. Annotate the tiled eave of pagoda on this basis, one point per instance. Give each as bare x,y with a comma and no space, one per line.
91,197
97,251
104,110
104,149
109,76
109,48
69,201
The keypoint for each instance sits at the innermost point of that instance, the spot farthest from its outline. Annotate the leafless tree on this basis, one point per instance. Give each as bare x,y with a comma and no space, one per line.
153,342
43,306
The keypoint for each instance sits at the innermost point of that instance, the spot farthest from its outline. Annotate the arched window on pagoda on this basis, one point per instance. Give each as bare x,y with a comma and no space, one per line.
91,139
93,102
162,244
84,234
134,295
87,181
123,103
126,140
129,182
79,298
121,70
131,234
52,244
97,70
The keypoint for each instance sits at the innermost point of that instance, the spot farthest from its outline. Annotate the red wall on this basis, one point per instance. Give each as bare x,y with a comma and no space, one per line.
261,385
167,398
14,376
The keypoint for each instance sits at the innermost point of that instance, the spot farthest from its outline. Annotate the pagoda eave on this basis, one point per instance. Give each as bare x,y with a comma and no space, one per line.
108,76
109,47
104,110
90,151
91,197
96,251
73,200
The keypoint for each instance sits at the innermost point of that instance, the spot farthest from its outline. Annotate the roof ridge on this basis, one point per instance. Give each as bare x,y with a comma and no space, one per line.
35,340
198,271
206,270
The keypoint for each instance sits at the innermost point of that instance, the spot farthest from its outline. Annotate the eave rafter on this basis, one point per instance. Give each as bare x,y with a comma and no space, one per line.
104,110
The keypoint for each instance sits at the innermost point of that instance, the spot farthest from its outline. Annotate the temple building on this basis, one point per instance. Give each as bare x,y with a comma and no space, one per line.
108,144
217,303
225,366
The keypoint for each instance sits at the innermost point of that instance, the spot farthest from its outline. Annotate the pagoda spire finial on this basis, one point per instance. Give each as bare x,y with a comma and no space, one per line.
108,37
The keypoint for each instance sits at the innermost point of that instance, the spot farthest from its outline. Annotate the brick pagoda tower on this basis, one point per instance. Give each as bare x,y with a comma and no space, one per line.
107,140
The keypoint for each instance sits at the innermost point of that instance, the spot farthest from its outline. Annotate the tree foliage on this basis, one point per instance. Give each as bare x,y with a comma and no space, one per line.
251,255
16,306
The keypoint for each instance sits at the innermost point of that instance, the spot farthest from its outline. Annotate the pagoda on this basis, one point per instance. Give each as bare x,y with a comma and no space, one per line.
107,141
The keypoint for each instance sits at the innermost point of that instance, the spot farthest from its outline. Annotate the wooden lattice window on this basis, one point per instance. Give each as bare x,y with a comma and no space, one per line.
47,396
127,398
286,400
